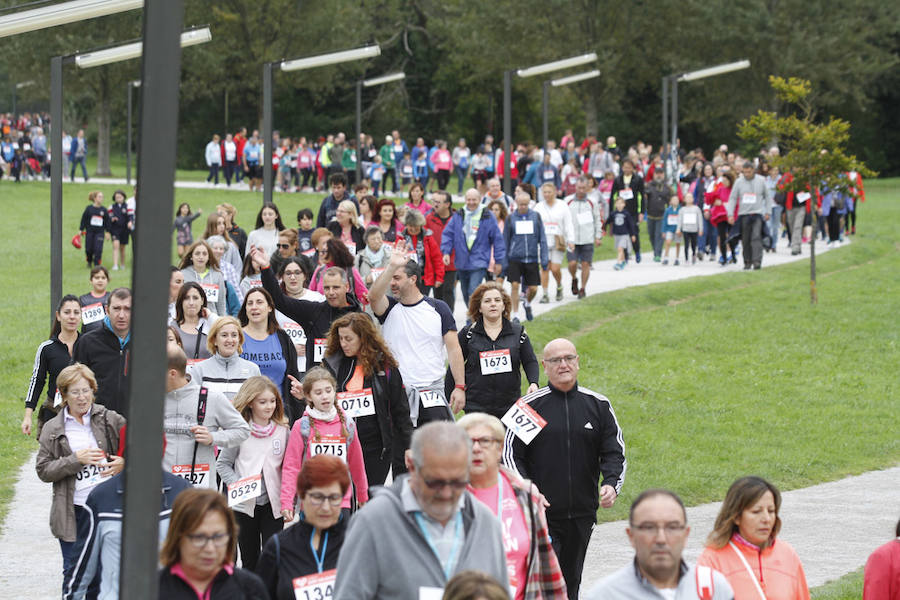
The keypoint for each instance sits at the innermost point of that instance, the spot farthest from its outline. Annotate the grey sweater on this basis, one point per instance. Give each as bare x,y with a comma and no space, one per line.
689,224
224,375
753,196
629,584
385,554
225,423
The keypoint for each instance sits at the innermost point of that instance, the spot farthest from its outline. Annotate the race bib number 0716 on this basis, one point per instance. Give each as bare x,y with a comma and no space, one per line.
357,404
523,421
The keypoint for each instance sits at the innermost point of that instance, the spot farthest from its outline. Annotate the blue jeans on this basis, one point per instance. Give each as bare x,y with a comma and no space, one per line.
75,163
469,280
775,223
707,242
654,230
461,179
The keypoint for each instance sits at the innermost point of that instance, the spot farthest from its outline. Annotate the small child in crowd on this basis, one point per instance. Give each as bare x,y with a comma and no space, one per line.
624,232
670,230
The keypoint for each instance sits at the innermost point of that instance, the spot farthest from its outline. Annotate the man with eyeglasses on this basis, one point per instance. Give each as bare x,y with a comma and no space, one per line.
658,531
413,536
566,439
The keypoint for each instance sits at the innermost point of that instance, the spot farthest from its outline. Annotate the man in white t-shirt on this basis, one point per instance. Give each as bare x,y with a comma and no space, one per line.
421,333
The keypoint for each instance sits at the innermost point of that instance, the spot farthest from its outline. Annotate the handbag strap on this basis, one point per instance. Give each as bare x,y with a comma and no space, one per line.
749,570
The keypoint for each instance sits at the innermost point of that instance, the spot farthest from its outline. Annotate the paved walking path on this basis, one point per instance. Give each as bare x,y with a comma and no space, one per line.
833,526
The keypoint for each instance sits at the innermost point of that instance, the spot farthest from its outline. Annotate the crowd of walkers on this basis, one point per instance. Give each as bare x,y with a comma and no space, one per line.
306,366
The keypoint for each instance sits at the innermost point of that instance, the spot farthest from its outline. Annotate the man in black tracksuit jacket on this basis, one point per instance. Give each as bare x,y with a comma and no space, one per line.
580,448
107,352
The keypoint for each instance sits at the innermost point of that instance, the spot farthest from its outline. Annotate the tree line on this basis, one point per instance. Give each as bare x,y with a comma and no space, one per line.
454,53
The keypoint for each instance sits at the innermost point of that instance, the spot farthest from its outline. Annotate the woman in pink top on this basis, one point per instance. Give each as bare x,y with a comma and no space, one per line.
443,164
417,199
323,429
743,545
532,566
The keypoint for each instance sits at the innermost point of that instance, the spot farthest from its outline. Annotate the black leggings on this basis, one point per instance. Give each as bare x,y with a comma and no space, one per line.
443,178
722,229
254,531
834,226
850,221
690,242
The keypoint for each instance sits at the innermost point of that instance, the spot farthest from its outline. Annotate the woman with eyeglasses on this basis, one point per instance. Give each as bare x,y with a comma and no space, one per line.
345,227
495,350
312,545
199,551
294,274
531,562
76,453
743,545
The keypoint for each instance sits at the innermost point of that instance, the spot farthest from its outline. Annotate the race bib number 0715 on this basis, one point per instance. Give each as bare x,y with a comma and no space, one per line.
332,445
523,421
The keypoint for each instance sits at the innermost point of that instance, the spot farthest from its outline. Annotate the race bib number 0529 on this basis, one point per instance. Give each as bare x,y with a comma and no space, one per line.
244,489
523,421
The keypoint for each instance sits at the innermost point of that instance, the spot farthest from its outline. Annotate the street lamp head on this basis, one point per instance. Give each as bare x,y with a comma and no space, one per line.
134,50
61,14
575,78
383,79
557,65
716,70
299,64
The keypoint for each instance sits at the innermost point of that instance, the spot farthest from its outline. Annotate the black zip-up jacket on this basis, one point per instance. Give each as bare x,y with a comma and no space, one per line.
108,359
581,442
52,356
94,211
657,198
293,407
391,406
240,585
495,393
315,317
635,204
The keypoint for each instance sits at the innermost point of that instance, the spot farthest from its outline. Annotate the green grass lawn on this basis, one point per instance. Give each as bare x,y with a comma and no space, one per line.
848,587
711,378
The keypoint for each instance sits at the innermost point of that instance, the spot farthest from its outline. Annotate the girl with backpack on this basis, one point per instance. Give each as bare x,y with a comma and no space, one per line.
323,429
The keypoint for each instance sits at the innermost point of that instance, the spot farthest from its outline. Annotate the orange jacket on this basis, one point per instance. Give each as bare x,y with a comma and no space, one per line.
776,568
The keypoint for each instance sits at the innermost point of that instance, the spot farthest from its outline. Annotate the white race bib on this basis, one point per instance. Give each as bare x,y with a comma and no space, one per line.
626,194
310,253
605,195
523,421
431,399
57,399
244,489
495,361
548,174
376,272
96,221
585,218
802,197
212,292
88,476
295,332
748,198
430,593
318,586
524,227
551,228
319,349
690,218
332,445
597,174
360,403
671,220
200,478
92,313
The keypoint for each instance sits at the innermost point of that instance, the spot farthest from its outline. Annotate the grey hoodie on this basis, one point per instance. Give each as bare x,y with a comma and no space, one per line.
225,423
225,375
753,195
385,554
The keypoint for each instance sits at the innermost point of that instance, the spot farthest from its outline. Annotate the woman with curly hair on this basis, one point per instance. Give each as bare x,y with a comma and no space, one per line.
370,389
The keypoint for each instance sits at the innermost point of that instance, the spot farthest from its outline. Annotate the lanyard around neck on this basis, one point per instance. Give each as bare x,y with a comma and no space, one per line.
319,558
457,542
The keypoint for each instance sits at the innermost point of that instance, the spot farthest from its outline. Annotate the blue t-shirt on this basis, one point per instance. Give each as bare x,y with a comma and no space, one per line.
267,354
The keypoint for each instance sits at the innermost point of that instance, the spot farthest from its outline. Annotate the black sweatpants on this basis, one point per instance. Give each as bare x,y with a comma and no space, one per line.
93,247
570,538
690,243
447,291
254,531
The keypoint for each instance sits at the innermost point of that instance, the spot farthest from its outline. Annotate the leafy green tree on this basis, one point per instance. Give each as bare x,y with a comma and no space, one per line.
813,152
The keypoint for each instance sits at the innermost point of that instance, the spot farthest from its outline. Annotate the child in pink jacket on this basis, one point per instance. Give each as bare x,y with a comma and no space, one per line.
323,429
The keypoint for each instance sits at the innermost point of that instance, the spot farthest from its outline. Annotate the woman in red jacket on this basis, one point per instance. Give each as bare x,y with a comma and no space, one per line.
718,214
422,247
